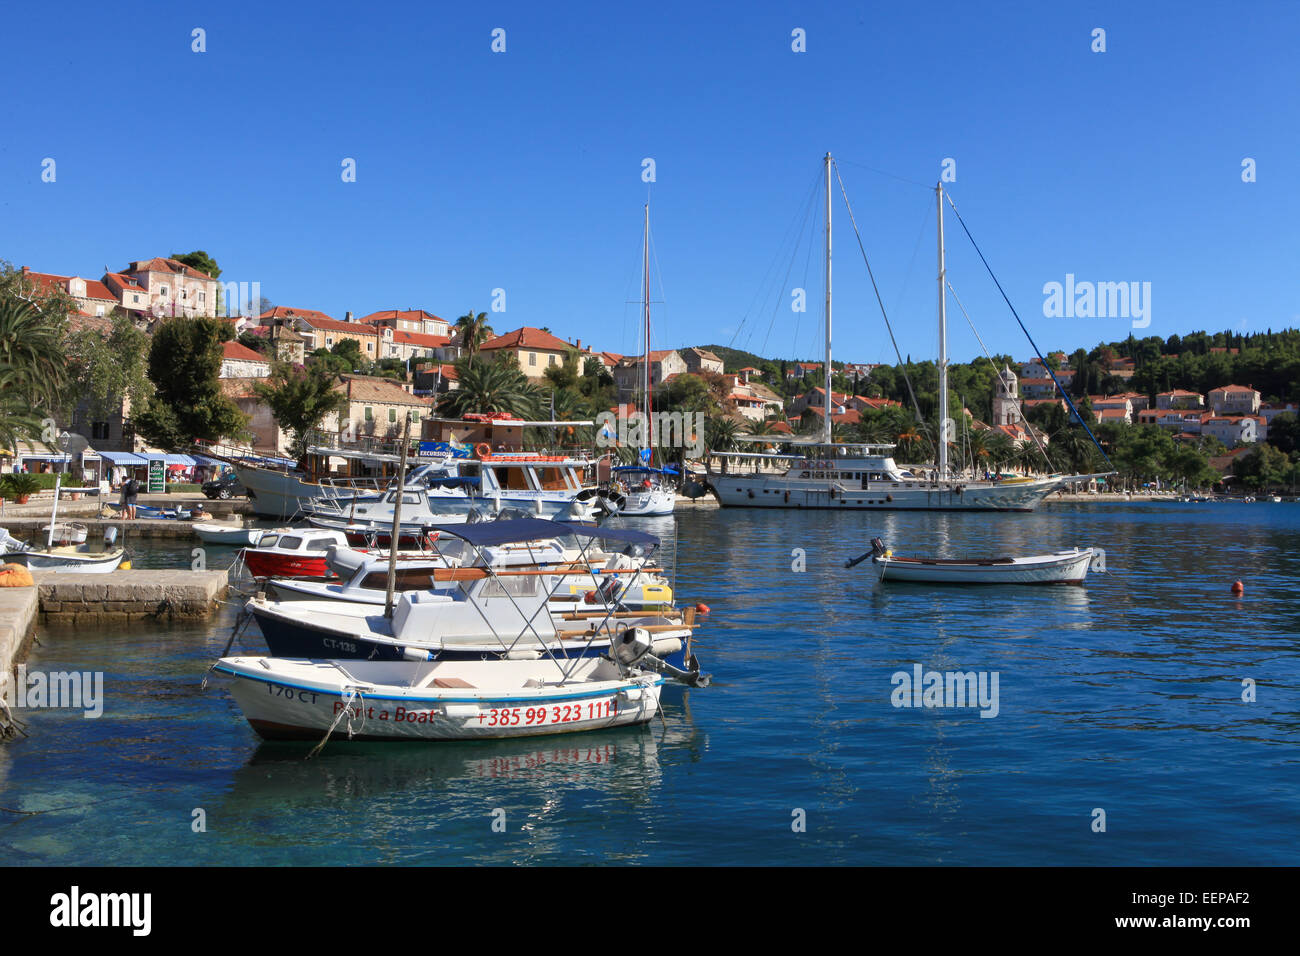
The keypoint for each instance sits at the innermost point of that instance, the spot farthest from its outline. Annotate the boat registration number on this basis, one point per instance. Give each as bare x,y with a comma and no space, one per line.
547,714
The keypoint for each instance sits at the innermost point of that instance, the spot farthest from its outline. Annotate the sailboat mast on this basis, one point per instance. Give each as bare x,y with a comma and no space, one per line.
645,288
943,348
826,433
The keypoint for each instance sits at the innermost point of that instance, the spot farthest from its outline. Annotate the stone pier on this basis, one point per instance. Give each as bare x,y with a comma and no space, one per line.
17,623
73,599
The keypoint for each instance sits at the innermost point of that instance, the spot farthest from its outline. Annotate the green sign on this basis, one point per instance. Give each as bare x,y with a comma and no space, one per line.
157,477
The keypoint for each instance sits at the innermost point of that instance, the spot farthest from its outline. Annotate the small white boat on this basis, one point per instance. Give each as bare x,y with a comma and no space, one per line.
291,699
67,558
1060,567
213,532
65,534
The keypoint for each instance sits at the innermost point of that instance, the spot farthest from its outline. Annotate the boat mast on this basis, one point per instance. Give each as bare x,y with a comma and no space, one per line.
943,348
645,288
826,433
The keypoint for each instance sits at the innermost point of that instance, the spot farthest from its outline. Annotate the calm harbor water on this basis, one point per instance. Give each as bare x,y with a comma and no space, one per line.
1125,695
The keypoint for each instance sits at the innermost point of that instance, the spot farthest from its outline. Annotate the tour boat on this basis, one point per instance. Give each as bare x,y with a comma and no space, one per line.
213,532
1060,567
288,699
292,552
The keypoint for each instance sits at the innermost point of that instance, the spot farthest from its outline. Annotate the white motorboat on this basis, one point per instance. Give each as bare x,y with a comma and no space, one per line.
363,576
1060,567
214,532
290,699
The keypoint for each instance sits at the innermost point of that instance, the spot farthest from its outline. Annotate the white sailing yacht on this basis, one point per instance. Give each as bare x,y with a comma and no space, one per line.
647,491
844,476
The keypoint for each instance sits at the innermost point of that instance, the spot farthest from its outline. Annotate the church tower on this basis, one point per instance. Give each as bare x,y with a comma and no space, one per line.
1006,409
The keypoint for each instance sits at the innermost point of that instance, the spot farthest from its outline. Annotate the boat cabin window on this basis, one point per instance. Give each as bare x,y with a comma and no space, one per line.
524,585
290,543
408,497
803,474
511,479
268,541
320,544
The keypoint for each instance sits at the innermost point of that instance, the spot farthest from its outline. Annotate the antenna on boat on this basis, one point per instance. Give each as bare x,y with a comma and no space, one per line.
826,431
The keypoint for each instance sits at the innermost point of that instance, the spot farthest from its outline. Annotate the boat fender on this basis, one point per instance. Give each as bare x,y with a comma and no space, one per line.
1238,588
415,654
787,497
751,492
889,497
701,609
665,646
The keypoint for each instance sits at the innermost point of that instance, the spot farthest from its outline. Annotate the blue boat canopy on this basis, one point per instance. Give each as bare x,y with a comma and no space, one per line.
518,530
647,468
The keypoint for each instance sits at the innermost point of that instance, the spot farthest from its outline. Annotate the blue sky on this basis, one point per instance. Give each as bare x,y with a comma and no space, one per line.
522,170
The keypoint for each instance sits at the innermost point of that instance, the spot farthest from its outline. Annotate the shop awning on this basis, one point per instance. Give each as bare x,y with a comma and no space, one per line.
123,458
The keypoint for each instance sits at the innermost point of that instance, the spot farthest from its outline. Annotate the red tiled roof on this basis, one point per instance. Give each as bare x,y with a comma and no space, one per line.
1232,388
242,353
334,325
419,338
285,312
48,282
366,388
159,264
527,338
1178,391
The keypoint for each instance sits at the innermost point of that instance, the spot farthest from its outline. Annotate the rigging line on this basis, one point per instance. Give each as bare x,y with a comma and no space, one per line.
1043,361
906,378
808,205
793,229
1033,432
882,172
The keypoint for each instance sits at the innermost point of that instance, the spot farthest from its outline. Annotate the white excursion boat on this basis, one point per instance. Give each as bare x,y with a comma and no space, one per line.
288,699
852,477
1060,567
213,532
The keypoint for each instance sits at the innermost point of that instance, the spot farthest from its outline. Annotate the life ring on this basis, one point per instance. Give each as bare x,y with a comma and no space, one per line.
483,450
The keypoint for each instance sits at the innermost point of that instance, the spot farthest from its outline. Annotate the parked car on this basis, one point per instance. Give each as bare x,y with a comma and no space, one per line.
227,486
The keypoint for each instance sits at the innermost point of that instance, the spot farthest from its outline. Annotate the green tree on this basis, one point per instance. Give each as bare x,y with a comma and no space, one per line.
199,260
31,348
108,367
474,331
300,399
489,387
1263,467
188,404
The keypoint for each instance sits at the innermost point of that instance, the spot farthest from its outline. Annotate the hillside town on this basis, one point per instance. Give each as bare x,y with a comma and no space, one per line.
385,367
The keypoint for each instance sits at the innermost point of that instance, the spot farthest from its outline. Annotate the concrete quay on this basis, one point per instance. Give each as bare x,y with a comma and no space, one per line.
17,624
72,599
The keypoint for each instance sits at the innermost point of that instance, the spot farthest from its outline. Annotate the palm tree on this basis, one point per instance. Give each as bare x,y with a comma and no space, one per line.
911,443
474,331
720,433
999,449
492,387
18,420
31,348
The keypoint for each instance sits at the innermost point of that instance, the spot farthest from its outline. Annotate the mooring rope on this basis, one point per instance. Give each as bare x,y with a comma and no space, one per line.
346,711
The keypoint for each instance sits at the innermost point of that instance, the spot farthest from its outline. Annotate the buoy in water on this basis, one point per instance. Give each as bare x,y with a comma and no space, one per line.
701,609
1238,588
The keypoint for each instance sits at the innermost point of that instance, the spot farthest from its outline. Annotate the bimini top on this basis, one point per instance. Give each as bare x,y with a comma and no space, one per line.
517,530
648,469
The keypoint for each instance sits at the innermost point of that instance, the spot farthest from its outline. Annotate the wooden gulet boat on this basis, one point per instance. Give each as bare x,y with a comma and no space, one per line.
1060,567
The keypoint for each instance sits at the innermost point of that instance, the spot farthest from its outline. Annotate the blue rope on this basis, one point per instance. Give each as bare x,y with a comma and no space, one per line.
1055,381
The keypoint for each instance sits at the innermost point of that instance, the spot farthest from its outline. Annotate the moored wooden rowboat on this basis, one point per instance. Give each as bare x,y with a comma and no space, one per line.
1060,567
290,699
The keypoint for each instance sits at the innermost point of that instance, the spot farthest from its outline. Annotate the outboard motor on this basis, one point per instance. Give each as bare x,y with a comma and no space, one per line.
110,537
633,647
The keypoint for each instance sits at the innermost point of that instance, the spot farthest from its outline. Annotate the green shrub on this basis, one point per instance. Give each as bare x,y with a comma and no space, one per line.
16,486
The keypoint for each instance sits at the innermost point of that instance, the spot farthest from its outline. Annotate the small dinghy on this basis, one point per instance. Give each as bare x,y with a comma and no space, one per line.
88,557
292,552
214,532
1060,567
